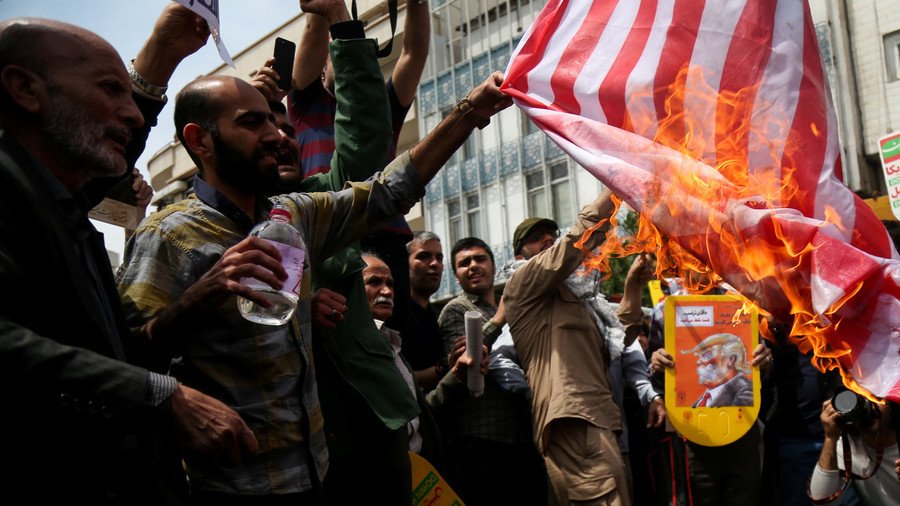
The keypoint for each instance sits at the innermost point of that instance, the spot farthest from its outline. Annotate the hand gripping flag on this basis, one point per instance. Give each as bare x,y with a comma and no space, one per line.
713,120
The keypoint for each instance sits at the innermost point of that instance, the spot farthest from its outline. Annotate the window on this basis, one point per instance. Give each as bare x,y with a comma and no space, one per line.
537,193
455,220
464,226
555,203
473,214
451,43
468,149
892,55
561,193
440,57
431,121
528,126
457,49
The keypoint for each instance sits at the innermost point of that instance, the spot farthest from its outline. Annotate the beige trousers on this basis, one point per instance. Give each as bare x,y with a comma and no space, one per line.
585,465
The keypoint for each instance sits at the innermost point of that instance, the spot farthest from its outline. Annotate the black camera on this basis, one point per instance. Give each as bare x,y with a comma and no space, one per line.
855,410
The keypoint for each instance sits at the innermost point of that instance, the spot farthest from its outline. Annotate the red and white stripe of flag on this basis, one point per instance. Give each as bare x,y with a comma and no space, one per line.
596,77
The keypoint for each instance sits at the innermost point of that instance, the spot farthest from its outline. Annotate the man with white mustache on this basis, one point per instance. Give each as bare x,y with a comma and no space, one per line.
424,435
379,287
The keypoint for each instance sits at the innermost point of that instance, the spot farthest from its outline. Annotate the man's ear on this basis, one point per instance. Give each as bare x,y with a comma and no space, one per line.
198,140
23,86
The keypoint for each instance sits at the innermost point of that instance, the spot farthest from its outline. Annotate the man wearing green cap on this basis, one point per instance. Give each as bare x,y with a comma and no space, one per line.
534,235
562,348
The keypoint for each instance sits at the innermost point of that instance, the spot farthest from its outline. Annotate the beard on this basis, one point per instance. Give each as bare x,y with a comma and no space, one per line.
82,140
711,375
243,171
290,174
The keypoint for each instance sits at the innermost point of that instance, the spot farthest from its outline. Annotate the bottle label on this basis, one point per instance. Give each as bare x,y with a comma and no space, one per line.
292,261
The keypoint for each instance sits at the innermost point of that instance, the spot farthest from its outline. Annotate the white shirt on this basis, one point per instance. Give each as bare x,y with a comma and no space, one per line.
412,427
882,489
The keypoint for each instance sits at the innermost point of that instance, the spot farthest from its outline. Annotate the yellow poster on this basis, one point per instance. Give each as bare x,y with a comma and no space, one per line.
429,488
656,293
712,393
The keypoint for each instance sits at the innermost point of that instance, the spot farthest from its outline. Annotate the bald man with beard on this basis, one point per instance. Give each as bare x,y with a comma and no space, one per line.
87,403
185,264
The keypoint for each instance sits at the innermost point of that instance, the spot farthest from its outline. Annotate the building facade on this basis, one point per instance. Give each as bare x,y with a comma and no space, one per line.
509,170
860,45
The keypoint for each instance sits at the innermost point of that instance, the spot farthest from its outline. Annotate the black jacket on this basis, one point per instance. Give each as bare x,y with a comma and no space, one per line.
75,425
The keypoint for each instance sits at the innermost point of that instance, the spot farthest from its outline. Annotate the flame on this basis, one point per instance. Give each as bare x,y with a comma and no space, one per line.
767,270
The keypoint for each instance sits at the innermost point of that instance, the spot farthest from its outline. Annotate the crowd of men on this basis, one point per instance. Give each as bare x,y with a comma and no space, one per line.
149,387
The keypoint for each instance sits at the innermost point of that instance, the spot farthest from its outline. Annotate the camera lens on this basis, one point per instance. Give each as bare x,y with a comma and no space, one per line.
845,401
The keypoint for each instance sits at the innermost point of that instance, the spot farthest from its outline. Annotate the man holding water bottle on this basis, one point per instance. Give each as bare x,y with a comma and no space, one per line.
185,263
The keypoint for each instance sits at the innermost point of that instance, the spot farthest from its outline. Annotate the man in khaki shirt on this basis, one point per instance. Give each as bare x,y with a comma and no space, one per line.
563,354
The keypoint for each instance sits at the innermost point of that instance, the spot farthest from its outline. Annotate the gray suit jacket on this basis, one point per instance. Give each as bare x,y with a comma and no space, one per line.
738,391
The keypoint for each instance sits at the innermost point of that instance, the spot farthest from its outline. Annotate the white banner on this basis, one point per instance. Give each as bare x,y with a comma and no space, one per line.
889,147
209,10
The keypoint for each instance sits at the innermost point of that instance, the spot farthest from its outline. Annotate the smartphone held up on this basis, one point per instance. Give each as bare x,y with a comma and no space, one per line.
284,62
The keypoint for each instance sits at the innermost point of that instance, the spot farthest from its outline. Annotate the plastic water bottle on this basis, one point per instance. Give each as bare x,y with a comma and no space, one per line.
278,231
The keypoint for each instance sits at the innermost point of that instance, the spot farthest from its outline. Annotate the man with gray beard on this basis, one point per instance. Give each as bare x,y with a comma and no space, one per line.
87,402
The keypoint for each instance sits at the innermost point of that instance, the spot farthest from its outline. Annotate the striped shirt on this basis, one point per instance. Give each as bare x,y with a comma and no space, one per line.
312,112
265,373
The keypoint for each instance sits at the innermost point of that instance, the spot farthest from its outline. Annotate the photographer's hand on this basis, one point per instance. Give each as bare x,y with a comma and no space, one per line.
829,417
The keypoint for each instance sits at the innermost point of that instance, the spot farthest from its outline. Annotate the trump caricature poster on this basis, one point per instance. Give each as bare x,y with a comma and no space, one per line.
712,393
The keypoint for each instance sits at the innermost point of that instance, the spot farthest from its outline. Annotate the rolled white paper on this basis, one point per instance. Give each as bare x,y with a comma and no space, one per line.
474,337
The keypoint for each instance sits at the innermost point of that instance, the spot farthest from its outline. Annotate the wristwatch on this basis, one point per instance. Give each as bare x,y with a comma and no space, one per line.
465,107
142,85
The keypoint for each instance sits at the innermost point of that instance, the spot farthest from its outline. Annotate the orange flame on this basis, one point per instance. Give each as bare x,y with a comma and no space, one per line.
767,270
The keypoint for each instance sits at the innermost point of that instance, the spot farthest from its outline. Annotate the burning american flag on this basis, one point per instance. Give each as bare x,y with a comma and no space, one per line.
713,120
